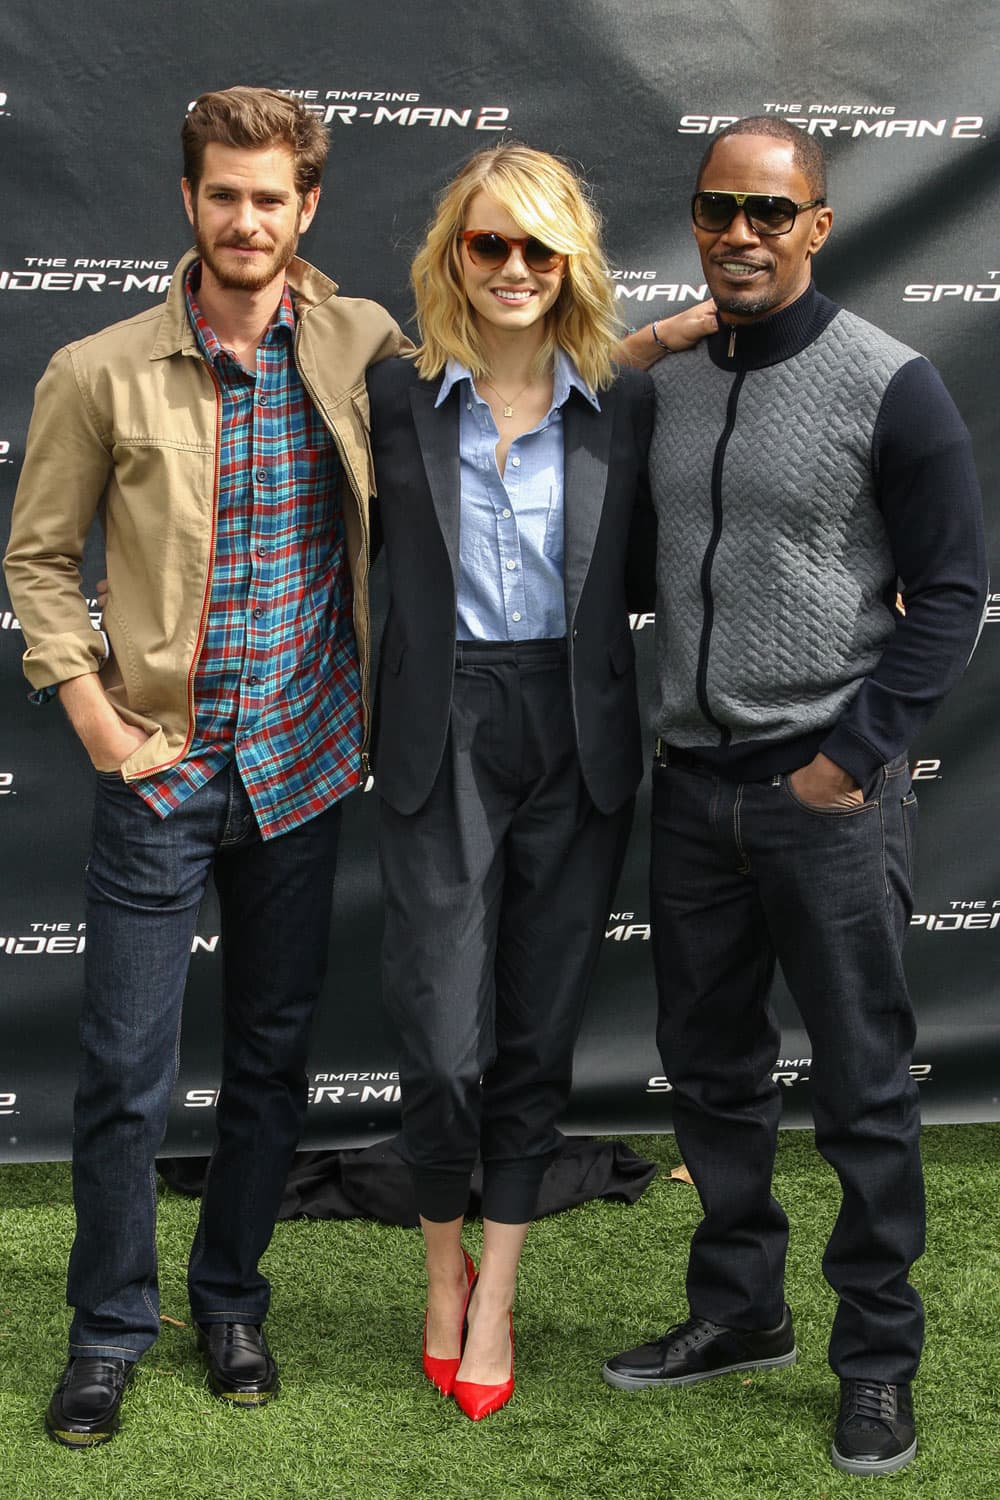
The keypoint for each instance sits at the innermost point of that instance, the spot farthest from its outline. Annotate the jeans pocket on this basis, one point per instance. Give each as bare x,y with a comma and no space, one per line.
869,800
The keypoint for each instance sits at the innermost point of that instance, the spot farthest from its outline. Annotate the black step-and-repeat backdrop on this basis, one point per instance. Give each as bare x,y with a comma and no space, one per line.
903,97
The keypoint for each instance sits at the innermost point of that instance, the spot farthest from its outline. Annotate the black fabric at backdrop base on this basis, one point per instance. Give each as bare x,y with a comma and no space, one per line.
374,1182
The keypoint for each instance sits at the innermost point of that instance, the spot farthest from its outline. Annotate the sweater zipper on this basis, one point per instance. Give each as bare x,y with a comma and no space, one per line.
708,617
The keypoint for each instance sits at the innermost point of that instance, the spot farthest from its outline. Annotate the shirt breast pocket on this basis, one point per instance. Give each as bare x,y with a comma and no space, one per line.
553,544
316,477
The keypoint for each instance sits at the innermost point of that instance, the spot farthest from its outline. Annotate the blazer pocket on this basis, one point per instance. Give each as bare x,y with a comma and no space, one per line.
622,653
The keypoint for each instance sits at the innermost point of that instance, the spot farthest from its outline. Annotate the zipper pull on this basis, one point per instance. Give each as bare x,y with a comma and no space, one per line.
364,764
732,342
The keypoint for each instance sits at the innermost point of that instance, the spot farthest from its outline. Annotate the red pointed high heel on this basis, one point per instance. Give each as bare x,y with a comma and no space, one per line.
441,1372
478,1401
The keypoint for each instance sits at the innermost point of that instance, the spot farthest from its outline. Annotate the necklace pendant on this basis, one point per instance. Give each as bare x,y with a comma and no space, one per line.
508,411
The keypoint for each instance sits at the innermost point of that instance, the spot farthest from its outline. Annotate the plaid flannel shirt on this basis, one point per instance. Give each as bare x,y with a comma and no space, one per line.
277,683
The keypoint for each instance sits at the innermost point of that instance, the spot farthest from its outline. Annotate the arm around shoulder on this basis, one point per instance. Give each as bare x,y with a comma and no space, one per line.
646,346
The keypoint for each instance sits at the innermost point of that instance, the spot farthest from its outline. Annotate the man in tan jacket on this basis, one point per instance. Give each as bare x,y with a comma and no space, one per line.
221,439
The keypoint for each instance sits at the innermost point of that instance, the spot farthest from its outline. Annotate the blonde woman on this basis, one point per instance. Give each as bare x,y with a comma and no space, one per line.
510,459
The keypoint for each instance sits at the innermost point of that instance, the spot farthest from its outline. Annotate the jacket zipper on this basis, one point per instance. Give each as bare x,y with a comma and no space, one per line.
365,668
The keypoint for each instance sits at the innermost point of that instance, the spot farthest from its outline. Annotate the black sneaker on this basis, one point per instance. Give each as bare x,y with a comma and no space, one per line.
875,1432
698,1350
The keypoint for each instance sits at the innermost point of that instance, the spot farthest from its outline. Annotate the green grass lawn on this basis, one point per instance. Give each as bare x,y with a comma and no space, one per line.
356,1419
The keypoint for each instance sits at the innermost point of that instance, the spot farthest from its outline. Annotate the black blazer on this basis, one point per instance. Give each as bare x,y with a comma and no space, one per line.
609,558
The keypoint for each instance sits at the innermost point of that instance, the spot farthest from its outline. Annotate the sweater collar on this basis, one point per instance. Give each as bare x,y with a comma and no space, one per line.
752,346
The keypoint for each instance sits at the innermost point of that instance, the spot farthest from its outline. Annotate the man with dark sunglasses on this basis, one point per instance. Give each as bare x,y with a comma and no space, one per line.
804,466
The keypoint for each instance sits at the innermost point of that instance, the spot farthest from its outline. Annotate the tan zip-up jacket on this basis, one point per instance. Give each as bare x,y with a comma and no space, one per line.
125,426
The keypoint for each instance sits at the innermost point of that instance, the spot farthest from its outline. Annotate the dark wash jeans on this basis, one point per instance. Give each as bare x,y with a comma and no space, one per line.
145,880
742,874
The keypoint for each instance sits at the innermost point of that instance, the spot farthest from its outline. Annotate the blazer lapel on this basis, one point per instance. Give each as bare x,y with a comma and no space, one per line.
587,443
437,434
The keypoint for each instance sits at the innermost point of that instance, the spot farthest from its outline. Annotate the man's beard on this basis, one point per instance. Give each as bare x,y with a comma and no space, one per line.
748,306
254,276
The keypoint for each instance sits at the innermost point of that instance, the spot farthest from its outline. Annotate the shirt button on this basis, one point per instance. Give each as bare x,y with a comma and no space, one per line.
516,462
261,551
261,400
511,566
505,514
254,680
516,615
261,473
468,405
257,612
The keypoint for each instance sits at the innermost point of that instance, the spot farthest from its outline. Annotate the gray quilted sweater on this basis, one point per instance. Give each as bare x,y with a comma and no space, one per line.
795,478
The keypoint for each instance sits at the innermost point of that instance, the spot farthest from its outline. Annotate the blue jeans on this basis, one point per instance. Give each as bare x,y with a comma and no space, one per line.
742,874
145,880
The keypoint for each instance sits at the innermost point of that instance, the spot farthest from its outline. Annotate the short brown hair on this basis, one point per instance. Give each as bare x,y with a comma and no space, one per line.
255,118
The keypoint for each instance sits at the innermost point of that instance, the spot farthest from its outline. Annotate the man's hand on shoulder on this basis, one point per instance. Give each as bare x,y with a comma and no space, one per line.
822,783
106,737
650,343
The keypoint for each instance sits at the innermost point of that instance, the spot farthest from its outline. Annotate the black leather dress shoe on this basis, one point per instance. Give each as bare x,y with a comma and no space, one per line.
697,1350
875,1431
84,1407
240,1367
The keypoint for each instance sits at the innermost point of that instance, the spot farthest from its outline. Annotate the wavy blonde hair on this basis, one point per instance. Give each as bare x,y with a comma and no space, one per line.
548,200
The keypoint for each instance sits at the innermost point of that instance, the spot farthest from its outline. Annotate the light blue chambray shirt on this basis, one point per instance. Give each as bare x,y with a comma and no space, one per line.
510,552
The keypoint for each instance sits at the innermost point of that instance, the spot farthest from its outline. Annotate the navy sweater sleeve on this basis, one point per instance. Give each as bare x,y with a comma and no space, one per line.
930,501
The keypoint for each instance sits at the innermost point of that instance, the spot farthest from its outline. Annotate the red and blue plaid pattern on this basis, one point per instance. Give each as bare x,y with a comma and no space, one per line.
277,683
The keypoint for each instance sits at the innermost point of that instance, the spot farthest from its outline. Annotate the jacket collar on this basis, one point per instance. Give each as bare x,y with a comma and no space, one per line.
310,288
752,346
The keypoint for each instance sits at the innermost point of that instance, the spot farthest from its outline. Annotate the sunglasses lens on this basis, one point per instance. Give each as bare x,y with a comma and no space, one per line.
770,215
538,256
488,250
713,211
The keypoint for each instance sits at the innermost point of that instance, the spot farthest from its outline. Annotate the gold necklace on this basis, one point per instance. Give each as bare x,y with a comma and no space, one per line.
508,406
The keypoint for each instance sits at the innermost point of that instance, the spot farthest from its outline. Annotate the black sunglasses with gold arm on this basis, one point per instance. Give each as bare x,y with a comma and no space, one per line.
765,212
